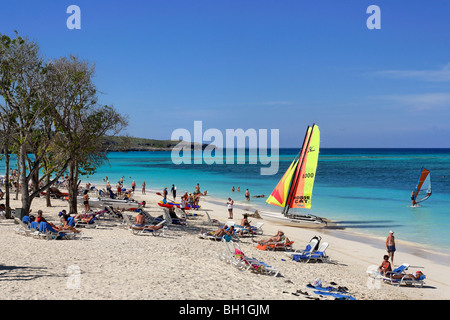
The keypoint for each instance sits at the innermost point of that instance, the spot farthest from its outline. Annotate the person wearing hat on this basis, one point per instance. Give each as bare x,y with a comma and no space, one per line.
390,245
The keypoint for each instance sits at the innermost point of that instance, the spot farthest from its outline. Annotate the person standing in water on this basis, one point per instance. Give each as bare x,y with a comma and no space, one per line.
413,197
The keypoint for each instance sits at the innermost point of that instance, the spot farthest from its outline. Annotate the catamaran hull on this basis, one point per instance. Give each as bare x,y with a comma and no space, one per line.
299,220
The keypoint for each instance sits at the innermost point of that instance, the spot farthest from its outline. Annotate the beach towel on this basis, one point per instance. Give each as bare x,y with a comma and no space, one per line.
339,293
71,221
26,220
44,227
336,295
34,225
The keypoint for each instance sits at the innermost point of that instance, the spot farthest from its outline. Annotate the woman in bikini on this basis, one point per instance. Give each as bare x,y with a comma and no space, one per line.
385,265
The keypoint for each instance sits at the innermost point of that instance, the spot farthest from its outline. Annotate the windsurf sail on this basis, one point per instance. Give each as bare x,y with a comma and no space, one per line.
423,187
294,190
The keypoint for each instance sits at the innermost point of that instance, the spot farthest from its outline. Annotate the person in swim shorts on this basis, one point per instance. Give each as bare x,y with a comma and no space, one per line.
390,246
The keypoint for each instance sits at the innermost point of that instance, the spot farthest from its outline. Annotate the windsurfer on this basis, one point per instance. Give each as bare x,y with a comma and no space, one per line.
413,197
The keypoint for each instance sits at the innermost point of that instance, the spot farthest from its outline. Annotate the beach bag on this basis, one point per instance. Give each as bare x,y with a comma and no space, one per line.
318,242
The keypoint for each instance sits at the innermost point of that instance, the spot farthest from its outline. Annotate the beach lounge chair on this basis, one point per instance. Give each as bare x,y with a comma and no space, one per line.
126,221
228,253
113,214
257,228
210,236
308,249
22,228
281,246
230,223
34,230
55,193
92,224
144,230
404,279
47,232
186,215
173,219
246,263
318,255
149,219
211,222
407,280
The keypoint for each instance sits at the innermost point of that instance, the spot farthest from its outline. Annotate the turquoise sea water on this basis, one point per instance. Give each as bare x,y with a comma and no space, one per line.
366,190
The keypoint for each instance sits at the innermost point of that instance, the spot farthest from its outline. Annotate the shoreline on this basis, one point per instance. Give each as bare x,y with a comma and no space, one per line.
187,267
422,251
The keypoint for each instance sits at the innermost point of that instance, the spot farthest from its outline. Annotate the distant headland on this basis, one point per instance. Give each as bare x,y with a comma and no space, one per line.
129,144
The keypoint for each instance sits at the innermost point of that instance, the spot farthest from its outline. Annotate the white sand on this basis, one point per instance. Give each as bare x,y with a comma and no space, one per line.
115,264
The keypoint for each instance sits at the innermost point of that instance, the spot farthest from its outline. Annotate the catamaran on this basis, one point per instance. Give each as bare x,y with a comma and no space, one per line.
294,190
423,188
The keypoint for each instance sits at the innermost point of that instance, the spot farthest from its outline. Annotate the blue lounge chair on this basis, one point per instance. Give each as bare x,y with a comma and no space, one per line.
404,277
308,249
318,255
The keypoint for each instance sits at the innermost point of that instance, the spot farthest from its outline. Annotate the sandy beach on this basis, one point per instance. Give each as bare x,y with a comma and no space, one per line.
109,262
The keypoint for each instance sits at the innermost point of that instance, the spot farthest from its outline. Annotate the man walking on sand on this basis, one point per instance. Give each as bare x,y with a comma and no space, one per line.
390,246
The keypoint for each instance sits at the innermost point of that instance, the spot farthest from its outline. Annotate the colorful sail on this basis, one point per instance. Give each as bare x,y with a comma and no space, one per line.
423,188
294,190
279,194
303,186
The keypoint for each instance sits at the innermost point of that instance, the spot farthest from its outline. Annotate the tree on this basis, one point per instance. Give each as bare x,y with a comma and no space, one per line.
80,122
21,85
53,111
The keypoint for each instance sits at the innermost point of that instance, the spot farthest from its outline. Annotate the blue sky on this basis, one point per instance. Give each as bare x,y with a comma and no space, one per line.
261,64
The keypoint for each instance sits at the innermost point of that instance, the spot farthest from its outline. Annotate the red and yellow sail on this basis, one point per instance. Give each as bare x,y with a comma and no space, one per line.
279,194
302,189
295,187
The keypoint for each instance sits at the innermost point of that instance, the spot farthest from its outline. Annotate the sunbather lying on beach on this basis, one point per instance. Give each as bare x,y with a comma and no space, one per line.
411,276
66,225
276,238
139,223
224,230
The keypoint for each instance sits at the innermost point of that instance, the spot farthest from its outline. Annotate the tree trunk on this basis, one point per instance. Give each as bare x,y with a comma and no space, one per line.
47,194
26,200
73,187
7,200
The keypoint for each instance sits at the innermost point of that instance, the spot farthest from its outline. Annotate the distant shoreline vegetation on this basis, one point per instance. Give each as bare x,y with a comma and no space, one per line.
129,144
